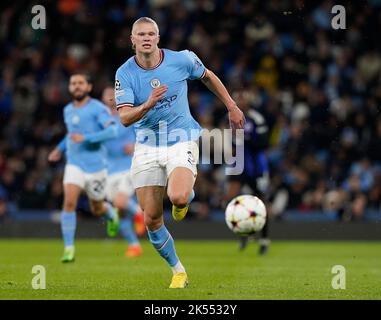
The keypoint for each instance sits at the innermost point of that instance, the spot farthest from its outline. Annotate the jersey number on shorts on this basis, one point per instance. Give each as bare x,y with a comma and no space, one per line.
190,158
98,185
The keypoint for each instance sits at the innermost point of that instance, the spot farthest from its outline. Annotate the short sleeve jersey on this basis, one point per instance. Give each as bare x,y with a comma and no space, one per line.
170,120
89,118
118,160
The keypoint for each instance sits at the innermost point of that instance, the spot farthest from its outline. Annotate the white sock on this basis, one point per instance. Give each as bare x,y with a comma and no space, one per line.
178,267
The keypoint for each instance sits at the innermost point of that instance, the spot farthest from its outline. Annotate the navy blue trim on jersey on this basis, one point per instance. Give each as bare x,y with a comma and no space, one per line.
154,67
203,74
124,105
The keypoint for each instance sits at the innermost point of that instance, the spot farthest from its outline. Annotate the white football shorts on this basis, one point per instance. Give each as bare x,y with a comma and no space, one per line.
151,165
94,184
120,182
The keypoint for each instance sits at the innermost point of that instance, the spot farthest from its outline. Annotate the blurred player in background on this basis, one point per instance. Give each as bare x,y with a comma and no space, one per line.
119,188
151,87
256,170
89,123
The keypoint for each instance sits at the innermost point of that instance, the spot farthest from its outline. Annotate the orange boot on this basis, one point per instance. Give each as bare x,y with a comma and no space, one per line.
140,228
134,251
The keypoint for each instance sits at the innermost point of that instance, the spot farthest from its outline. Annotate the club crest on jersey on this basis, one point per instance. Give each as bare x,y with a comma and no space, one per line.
75,119
117,85
155,83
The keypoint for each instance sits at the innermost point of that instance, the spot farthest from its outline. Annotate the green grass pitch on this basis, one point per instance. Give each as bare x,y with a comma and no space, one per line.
216,270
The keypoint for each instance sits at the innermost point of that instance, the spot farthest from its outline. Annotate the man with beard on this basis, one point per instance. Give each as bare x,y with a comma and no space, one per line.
88,123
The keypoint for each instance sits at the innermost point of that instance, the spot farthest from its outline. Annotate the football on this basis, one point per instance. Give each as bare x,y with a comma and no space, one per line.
245,214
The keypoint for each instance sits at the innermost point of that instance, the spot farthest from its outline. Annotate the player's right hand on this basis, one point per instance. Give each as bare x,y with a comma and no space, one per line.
236,118
55,155
156,95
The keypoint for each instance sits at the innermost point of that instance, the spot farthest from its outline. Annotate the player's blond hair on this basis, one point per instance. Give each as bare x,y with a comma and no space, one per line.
145,20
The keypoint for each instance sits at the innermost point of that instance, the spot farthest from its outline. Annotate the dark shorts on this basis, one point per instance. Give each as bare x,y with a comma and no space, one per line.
254,183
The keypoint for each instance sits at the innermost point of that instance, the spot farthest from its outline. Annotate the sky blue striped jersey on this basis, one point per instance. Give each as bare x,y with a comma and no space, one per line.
170,120
88,120
118,160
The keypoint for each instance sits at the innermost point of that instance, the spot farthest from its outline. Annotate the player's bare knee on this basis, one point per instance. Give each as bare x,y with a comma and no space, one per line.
118,206
120,203
152,223
179,199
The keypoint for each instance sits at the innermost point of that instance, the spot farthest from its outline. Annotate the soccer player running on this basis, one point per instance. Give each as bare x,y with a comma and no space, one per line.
89,123
119,188
256,170
151,92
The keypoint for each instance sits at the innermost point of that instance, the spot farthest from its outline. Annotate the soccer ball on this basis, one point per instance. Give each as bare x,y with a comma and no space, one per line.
245,215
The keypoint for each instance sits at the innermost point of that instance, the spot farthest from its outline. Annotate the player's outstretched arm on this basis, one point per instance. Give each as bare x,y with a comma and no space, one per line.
214,84
56,153
130,115
109,132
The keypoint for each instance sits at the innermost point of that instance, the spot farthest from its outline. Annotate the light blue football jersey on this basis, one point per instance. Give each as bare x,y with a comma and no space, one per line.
170,120
92,117
118,160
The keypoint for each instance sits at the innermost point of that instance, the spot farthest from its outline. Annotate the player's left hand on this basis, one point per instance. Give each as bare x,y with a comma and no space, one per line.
129,149
236,118
77,137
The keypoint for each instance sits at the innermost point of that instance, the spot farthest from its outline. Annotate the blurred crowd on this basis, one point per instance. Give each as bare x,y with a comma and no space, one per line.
318,88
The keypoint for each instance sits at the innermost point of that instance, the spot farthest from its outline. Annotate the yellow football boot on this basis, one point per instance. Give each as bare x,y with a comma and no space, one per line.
179,281
179,214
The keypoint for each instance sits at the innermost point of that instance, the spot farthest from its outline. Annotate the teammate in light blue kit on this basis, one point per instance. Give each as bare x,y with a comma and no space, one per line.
151,92
119,188
89,123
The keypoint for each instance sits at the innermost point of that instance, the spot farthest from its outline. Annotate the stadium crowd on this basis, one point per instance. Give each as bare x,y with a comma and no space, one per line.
318,88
